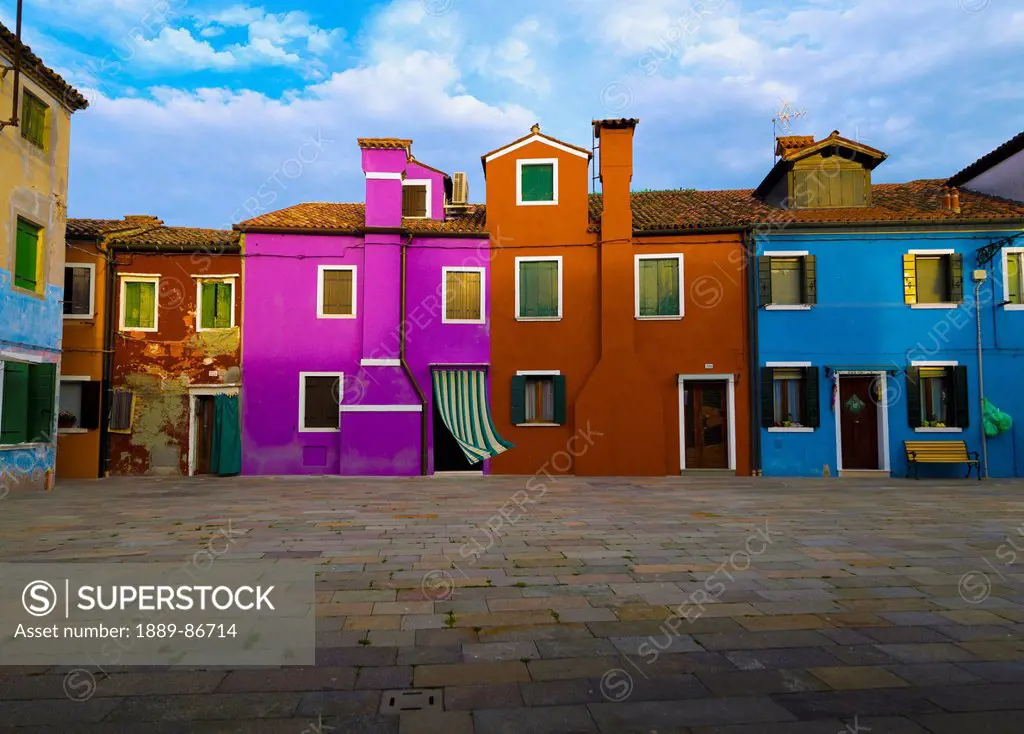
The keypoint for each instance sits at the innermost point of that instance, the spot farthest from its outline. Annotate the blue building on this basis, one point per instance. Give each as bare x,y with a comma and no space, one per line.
867,326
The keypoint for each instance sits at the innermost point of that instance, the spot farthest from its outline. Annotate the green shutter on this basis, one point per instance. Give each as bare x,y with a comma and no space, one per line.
42,387
147,305
538,182
764,280
518,400
960,397
767,397
810,279
224,305
538,289
14,420
668,287
559,381
812,399
131,304
209,306
956,278
914,396
26,255
33,120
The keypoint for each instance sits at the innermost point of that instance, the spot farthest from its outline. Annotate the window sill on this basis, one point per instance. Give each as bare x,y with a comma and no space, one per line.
72,431
27,291
79,317
935,305
538,425
335,316
23,446
537,203
133,330
538,318
659,318
474,322
788,307
217,328
319,430
947,429
790,429
1014,306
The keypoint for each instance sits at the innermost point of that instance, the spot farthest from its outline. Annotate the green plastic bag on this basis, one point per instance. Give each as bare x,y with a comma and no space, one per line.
994,420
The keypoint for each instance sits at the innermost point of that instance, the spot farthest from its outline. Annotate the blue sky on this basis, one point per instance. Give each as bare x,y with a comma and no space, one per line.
205,112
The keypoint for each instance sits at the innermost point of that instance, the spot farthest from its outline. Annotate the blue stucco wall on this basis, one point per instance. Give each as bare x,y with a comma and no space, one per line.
30,330
861,320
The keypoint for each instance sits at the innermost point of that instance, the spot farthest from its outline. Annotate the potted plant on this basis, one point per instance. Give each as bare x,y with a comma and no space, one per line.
66,419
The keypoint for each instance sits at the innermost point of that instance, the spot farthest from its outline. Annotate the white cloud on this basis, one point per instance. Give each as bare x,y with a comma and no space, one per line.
175,47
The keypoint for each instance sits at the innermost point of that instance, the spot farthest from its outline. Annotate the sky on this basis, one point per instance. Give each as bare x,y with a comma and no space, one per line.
206,112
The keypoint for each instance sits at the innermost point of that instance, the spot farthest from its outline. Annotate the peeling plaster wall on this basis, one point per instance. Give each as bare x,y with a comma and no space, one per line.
160,367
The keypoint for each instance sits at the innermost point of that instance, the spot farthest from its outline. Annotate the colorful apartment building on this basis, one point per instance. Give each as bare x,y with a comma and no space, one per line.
619,333
366,329
35,130
875,302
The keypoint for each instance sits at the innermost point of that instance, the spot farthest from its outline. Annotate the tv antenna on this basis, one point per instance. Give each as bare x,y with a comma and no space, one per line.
784,119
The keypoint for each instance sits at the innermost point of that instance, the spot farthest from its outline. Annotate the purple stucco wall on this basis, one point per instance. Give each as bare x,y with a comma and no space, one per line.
283,337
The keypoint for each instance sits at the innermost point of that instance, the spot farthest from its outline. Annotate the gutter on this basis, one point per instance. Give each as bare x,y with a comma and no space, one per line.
405,364
107,393
177,249
753,309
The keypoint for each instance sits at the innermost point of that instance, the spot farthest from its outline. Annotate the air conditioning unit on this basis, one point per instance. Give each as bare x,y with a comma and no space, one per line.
460,190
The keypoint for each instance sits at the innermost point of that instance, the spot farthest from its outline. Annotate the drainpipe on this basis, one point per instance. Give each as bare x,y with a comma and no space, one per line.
405,365
750,247
107,392
14,121
979,278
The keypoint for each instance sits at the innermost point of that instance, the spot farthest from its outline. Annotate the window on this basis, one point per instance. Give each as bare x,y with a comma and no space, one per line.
933,278
1013,278
33,119
319,399
789,396
122,409
830,183
416,198
937,396
216,304
787,279
537,181
658,284
79,293
27,398
539,288
78,405
463,295
538,398
139,303
336,292
27,260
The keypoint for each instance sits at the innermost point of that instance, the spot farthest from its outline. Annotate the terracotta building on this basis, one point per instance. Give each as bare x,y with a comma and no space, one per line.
619,320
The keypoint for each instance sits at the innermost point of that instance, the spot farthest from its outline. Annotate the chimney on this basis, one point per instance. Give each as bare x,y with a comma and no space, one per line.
955,200
384,162
616,169
947,200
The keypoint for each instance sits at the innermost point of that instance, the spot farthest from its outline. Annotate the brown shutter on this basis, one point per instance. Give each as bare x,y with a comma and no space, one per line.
956,278
764,280
810,279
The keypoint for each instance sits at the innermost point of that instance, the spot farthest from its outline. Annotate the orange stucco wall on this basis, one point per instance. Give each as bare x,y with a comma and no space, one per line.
621,373
78,454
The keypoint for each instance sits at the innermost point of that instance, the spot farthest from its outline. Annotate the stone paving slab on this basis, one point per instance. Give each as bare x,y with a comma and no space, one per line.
701,605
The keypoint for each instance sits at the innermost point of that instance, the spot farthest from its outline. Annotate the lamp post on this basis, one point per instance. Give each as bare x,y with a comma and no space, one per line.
980,276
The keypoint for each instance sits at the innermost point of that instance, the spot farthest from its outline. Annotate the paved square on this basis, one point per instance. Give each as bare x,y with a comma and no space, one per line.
702,605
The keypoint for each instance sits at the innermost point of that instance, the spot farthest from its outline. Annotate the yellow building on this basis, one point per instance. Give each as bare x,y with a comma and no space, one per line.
35,129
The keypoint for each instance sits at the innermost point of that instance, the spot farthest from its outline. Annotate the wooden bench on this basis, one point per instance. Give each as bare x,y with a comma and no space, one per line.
940,452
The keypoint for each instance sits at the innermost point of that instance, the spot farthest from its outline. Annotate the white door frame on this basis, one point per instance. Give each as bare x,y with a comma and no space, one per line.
883,417
193,393
731,409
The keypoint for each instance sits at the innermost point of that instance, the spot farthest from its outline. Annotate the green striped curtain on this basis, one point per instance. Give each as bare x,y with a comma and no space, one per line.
538,289
461,399
139,305
659,287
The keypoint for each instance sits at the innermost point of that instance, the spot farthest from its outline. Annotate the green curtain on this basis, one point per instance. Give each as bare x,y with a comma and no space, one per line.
226,453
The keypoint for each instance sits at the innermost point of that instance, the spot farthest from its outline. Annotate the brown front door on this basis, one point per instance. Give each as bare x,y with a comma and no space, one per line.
858,421
204,433
706,424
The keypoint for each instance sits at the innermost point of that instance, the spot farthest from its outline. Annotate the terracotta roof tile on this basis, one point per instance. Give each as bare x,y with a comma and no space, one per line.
916,201
178,238
786,143
350,219
987,161
34,67
90,228
384,143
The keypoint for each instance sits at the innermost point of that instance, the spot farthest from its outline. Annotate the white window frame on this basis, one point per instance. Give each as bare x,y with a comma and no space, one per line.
444,294
519,180
787,306
140,278
789,429
61,379
636,287
538,373
230,280
1019,253
936,363
430,194
932,253
321,269
302,400
534,259
91,267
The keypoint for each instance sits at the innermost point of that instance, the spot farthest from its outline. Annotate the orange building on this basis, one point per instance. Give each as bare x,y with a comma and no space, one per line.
619,321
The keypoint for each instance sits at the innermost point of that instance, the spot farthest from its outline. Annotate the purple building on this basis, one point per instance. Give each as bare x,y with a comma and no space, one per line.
365,342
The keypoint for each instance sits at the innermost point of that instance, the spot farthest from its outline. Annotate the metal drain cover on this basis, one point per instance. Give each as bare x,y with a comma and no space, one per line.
411,699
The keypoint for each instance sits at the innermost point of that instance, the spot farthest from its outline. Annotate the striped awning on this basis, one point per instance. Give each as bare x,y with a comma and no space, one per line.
461,397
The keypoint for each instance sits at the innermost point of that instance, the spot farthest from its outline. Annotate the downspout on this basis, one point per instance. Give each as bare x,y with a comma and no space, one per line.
981,379
14,121
107,393
750,245
405,365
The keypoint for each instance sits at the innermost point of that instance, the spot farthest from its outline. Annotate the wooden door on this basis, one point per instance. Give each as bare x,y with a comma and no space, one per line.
858,421
706,424
204,433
